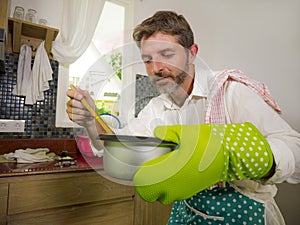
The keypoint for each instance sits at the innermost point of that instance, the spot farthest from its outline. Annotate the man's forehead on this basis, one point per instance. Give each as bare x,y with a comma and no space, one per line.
157,44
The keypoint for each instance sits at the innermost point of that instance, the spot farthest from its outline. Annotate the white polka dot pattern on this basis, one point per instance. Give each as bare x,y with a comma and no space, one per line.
219,206
247,153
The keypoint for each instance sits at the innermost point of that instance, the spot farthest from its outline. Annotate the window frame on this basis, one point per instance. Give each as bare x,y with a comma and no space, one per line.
62,119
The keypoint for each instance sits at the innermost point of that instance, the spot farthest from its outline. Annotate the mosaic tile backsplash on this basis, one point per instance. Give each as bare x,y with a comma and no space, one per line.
40,117
144,91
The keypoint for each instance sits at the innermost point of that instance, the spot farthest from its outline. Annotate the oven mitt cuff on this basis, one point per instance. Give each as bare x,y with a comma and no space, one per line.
206,155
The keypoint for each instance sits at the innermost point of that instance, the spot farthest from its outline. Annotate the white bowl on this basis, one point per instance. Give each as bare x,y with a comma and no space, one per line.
124,154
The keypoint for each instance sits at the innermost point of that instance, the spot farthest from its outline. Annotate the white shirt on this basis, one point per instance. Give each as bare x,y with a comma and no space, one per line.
242,105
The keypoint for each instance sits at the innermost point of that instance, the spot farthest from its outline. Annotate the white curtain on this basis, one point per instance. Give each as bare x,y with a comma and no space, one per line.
79,21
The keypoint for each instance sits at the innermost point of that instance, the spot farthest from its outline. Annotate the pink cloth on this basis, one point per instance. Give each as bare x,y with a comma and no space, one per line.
215,109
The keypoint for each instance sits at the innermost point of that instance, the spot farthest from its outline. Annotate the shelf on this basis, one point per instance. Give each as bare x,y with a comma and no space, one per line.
22,32
4,11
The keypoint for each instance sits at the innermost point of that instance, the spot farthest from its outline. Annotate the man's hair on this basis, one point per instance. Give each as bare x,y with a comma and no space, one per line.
166,22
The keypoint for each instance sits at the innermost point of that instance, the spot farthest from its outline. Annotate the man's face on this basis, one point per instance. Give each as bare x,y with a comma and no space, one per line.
166,61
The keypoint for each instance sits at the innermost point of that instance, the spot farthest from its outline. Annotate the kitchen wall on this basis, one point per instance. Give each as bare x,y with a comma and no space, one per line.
40,117
49,10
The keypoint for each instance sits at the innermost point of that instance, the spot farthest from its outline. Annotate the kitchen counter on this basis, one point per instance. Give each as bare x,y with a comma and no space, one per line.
46,193
8,169
57,146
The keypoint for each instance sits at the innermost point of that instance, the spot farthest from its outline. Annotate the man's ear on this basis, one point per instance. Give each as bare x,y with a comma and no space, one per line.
193,53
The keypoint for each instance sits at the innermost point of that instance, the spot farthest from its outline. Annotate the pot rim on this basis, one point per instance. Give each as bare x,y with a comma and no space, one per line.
136,139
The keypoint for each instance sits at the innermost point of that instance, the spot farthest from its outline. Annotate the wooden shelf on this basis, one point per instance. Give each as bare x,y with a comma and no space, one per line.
4,11
22,32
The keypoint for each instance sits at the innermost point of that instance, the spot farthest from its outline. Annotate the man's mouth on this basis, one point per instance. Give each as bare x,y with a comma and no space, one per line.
162,79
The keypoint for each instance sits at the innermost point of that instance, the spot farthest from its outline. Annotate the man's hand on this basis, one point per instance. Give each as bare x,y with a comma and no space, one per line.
75,109
207,154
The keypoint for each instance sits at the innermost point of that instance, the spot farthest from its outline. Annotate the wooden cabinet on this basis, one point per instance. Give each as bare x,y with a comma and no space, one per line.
79,198
3,202
150,213
4,12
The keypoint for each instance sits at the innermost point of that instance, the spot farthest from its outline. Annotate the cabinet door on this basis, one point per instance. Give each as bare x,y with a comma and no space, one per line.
110,213
81,198
63,190
3,202
146,213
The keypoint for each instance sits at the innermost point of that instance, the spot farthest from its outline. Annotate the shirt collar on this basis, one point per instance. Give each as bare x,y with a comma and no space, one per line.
200,88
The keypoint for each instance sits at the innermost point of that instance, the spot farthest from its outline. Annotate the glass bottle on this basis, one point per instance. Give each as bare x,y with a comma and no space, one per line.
19,13
43,22
31,15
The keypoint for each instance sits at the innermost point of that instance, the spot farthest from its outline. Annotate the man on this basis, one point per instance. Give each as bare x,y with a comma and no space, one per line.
233,146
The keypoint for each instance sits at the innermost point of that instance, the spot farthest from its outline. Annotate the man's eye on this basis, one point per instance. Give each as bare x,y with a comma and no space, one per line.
168,56
146,60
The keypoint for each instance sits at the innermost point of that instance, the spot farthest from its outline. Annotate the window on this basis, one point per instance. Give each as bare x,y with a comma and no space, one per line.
87,71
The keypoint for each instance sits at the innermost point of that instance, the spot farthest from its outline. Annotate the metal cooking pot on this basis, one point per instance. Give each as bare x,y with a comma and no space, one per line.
124,154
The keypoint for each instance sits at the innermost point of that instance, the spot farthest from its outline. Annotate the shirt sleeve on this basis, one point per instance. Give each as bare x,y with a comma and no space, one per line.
242,104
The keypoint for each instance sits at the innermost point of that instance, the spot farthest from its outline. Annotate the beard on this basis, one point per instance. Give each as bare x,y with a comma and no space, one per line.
170,85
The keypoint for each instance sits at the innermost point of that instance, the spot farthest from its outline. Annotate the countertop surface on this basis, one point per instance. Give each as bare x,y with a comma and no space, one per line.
79,164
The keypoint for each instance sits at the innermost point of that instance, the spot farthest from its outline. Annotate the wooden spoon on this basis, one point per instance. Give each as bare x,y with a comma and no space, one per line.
94,113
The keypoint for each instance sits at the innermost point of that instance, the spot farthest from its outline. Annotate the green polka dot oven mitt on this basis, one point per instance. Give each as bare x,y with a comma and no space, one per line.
206,155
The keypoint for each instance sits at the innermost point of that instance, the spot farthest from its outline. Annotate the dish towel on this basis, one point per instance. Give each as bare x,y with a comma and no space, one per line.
215,109
23,71
41,73
29,155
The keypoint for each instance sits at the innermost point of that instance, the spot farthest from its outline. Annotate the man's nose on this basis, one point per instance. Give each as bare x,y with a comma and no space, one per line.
157,66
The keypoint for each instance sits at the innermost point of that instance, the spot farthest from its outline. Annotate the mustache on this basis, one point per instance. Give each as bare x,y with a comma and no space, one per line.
160,75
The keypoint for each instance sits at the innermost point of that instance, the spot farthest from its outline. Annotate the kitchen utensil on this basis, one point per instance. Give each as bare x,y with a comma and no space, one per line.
124,154
94,113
